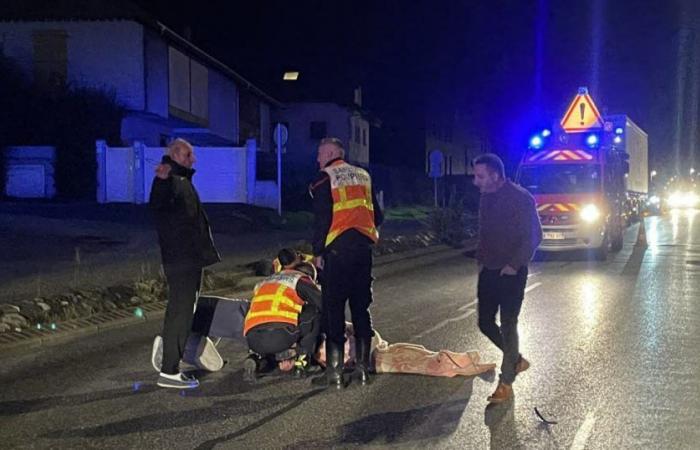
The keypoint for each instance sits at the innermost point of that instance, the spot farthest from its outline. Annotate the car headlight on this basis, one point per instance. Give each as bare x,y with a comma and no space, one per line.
590,213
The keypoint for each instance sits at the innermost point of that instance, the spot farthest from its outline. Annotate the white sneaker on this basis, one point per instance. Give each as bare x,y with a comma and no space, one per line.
177,381
157,353
208,357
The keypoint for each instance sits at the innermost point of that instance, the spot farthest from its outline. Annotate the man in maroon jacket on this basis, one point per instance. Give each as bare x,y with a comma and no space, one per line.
509,233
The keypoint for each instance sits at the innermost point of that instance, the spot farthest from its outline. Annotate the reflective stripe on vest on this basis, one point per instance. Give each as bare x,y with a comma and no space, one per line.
275,300
351,189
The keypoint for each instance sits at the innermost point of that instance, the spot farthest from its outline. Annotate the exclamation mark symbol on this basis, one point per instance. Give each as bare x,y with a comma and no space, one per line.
582,110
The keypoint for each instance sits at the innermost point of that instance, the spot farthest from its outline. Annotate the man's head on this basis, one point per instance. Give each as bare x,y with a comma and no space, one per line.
489,174
288,258
182,153
328,150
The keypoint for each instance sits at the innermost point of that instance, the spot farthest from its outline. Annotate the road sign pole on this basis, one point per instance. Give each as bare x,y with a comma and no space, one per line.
278,130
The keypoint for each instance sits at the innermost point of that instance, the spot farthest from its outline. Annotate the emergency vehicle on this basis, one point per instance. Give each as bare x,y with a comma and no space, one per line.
588,175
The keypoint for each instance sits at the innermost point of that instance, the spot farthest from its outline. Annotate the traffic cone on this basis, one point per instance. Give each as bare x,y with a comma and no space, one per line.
642,235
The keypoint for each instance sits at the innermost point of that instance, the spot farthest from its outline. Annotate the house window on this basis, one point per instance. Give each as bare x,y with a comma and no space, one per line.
357,134
317,130
249,115
188,88
50,58
364,137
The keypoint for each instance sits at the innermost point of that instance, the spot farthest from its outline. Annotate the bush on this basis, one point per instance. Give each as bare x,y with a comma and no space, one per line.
448,223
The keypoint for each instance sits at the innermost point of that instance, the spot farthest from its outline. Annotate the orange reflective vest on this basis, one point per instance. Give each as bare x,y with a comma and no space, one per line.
351,189
275,300
277,266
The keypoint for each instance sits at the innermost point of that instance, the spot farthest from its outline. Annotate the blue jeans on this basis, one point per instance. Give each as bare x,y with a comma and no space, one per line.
505,293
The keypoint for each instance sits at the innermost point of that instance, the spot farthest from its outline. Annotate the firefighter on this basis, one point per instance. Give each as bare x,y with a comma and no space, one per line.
347,216
284,318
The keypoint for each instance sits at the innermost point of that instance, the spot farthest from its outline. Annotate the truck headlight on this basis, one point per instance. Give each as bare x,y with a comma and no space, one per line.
590,213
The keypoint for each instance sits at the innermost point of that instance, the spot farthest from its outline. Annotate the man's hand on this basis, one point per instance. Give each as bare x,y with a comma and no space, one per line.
508,270
163,171
318,262
286,365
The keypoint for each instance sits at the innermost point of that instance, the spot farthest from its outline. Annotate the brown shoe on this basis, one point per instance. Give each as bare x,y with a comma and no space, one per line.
522,365
502,393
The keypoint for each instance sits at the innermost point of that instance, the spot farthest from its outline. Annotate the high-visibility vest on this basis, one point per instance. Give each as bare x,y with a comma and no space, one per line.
277,265
275,300
351,189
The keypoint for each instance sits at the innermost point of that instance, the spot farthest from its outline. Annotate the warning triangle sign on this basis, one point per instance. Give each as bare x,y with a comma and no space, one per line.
582,114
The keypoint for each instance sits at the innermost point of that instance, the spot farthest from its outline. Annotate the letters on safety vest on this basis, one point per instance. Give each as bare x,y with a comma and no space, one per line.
351,189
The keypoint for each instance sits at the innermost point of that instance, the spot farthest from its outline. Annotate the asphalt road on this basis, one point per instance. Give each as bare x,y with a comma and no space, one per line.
614,347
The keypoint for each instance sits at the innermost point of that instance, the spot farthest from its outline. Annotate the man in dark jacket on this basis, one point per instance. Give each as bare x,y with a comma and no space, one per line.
186,247
509,233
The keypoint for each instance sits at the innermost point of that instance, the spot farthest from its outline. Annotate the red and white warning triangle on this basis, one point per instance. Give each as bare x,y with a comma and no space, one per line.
582,114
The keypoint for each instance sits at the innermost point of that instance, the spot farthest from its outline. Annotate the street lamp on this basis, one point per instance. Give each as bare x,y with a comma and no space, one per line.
692,170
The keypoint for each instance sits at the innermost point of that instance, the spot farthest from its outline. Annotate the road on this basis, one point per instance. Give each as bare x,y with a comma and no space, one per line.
614,347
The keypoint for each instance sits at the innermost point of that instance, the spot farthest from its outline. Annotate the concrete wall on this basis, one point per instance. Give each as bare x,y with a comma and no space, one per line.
30,172
101,54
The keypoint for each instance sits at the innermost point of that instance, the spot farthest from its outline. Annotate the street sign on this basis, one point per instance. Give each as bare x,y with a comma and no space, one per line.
582,115
280,135
436,164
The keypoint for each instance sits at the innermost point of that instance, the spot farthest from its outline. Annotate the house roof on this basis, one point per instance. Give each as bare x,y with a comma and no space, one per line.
86,10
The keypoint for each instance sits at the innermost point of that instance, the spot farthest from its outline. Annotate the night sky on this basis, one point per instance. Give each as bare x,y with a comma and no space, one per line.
512,65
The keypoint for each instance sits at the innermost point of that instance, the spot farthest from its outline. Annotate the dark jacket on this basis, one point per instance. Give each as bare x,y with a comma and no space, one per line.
509,228
183,227
320,191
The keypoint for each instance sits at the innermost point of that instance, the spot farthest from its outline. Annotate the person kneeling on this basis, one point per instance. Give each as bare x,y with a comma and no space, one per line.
284,318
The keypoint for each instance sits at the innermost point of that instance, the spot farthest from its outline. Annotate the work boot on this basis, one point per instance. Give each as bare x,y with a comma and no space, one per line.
333,377
522,365
502,393
363,348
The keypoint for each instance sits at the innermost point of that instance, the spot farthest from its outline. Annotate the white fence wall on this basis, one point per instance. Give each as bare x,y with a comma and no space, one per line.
224,174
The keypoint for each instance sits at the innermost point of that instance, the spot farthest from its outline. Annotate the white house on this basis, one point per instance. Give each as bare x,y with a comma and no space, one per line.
169,86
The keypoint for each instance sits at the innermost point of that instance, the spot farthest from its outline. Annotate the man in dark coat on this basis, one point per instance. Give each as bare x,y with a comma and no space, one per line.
186,248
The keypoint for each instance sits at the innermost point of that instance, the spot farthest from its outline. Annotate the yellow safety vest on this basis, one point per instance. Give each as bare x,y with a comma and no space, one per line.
275,300
351,189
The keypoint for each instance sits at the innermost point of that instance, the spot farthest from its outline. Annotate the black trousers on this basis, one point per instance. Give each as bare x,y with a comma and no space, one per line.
273,338
347,277
505,293
183,288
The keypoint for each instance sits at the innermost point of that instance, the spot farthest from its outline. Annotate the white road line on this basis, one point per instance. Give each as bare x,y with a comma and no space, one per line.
466,314
445,322
473,302
584,432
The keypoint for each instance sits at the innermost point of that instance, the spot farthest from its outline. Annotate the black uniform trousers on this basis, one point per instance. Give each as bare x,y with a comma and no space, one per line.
183,289
272,338
347,277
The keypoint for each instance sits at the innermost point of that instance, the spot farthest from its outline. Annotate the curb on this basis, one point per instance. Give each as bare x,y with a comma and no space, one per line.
69,330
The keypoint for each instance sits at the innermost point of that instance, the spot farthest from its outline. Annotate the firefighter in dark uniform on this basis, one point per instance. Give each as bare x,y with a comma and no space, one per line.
347,216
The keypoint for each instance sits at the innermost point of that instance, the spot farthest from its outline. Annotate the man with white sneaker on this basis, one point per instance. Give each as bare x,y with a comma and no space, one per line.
186,248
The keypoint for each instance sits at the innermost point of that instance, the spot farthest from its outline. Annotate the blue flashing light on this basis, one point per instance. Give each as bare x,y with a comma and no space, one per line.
619,130
536,141
546,132
592,140
617,140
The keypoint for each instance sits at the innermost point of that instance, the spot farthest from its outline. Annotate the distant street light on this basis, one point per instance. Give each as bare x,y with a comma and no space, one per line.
653,173
692,170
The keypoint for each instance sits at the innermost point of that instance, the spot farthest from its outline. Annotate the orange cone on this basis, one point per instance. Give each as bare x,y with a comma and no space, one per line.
642,235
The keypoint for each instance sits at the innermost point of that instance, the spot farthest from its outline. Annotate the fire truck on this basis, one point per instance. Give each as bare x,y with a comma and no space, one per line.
589,176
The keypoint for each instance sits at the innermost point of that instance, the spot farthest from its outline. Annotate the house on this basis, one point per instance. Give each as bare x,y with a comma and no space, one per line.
169,87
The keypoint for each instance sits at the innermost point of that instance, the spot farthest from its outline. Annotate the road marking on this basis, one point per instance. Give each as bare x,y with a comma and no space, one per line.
584,432
473,302
466,314
445,322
